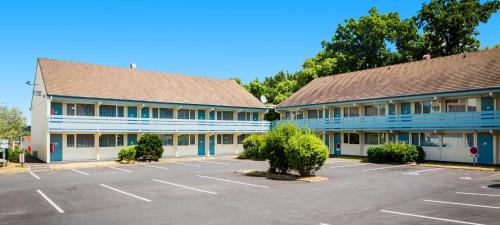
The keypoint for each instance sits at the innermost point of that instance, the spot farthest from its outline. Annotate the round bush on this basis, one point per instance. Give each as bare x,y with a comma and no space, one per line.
420,154
276,144
306,153
392,153
149,148
376,154
253,147
127,154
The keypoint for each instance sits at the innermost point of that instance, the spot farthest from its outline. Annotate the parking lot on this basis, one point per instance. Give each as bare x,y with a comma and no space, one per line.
209,192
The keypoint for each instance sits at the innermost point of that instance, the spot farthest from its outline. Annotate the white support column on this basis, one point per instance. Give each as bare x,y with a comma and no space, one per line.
96,146
235,143
175,140
207,144
47,147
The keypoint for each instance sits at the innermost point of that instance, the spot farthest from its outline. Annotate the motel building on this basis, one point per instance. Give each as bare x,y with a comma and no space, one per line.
447,105
90,112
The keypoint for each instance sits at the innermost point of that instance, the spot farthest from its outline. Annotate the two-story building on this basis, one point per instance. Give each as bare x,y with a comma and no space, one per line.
90,112
446,105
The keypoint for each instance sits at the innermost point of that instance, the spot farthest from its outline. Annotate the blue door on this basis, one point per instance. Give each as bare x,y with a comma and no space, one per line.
327,141
211,115
404,137
255,116
55,108
485,146
405,108
336,143
201,114
487,104
132,139
145,112
56,147
132,111
212,144
201,144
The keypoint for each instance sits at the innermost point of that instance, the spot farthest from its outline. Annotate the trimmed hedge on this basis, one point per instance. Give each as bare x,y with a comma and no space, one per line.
253,147
306,153
276,145
127,154
420,154
149,148
393,153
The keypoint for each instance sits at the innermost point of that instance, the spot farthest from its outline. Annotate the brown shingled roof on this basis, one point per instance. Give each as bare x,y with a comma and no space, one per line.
95,81
477,70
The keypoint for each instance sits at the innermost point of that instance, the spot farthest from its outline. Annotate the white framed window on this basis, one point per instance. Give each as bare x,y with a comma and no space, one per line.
84,140
162,113
224,115
111,111
111,140
351,138
374,138
375,110
241,138
186,139
426,107
426,139
187,114
352,111
167,139
314,113
80,109
225,139
70,140
453,140
244,116
299,115
461,105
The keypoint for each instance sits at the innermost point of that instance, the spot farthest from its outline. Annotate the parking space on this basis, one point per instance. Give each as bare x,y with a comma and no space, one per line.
209,192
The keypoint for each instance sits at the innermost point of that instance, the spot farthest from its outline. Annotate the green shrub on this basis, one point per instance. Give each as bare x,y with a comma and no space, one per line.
306,153
14,154
149,148
127,154
393,153
253,147
420,154
276,145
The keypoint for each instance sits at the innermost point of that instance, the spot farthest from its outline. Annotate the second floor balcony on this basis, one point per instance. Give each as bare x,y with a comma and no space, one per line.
486,120
58,123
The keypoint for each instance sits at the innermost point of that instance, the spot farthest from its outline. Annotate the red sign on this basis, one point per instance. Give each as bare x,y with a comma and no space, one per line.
338,145
473,150
29,149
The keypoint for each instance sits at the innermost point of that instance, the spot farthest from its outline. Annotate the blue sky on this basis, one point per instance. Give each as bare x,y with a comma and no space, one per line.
246,39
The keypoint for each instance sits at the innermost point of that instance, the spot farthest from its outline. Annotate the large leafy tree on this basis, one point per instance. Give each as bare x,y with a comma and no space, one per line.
12,123
450,26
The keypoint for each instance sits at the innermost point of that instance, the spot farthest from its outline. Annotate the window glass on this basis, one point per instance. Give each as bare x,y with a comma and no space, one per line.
346,138
287,115
353,111
392,137
381,110
192,114
70,140
244,116
455,105
426,107
183,139
345,111
320,113
219,139
471,105
414,138
299,115
227,115
107,140
371,110
312,114
381,138
155,112
241,138
84,140
453,140
85,110
119,140
183,114
167,139
166,113
371,138
192,139
227,139
107,110
469,140
435,107
418,107
70,109
354,139
429,139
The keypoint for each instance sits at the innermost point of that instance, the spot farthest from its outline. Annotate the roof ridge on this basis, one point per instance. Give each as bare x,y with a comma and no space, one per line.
137,69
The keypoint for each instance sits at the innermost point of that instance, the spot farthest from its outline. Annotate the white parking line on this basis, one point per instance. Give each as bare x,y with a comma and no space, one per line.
382,168
158,167
125,193
232,181
464,204
469,193
429,217
421,171
219,163
358,164
187,164
182,186
50,201
78,171
489,176
33,174
116,168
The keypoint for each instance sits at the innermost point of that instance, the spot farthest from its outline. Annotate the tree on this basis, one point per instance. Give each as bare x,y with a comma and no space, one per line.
12,123
450,25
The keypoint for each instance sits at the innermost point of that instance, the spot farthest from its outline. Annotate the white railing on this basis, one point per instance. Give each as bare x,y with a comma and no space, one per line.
153,125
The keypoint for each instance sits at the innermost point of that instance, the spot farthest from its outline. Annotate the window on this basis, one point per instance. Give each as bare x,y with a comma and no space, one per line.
241,138
371,138
424,107
227,139
224,115
287,116
119,140
84,140
429,139
299,115
244,116
381,138
351,111
315,113
471,105
375,110
392,137
469,140
70,140
111,111
453,140
192,139
187,114
163,113
415,138
167,139
183,139
351,138
107,140
219,139
461,105
80,110
155,113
